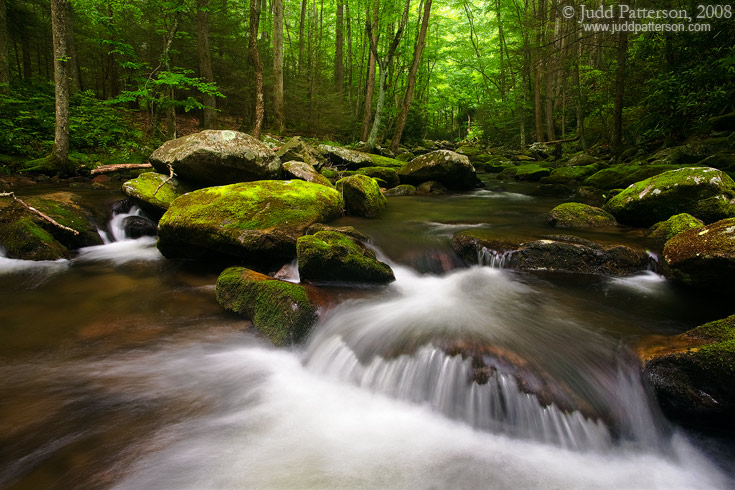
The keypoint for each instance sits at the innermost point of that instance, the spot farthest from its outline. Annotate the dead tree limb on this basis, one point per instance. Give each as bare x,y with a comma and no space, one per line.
170,176
120,166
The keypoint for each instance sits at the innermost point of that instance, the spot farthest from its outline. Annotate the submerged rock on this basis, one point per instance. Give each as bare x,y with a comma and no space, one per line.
281,310
141,191
692,374
304,171
258,221
362,196
567,254
330,256
706,193
704,256
577,215
215,157
138,226
451,169
23,237
666,230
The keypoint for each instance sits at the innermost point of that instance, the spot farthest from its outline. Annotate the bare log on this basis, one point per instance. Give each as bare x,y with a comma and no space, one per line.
103,169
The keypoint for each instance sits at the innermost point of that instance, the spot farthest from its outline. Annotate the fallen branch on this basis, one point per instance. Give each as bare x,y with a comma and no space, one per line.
120,166
170,176
39,213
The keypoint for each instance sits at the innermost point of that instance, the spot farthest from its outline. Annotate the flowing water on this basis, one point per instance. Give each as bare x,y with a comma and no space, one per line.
119,370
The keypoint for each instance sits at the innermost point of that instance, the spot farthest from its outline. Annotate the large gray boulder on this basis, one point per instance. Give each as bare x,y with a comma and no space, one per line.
304,171
298,150
215,157
450,168
345,158
257,221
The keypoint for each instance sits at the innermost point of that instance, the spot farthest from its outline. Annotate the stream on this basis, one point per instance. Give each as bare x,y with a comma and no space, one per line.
119,370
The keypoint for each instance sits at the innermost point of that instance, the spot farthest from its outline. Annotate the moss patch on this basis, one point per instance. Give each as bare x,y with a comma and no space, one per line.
362,196
563,175
23,238
282,311
386,174
530,171
665,230
577,215
381,161
141,190
620,176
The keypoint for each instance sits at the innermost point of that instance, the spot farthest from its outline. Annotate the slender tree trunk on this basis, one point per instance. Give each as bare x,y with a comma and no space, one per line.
538,72
4,52
75,83
418,49
579,99
616,142
301,36
25,47
372,22
339,67
60,152
278,65
205,63
259,98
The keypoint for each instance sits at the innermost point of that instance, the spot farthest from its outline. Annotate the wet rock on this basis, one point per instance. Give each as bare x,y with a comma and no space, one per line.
345,158
350,231
258,221
138,226
725,122
692,374
577,215
23,237
362,196
451,169
431,188
621,176
665,230
296,149
215,157
304,171
142,188
704,256
70,210
706,193
386,174
401,190
330,256
552,190
531,172
281,310
567,254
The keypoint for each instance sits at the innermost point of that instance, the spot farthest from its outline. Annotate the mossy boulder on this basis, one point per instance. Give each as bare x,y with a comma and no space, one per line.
281,310
141,191
582,160
330,256
531,172
362,196
665,230
304,171
704,256
22,235
693,374
258,221
559,253
350,231
451,169
621,176
72,211
386,174
578,215
346,158
296,149
401,190
707,193
383,161
215,157
565,175
405,157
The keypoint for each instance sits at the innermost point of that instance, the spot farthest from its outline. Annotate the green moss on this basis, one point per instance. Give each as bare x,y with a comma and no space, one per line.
665,230
23,238
362,196
281,310
329,256
386,174
531,171
141,190
563,175
719,351
401,190
381,161
577,215
620,176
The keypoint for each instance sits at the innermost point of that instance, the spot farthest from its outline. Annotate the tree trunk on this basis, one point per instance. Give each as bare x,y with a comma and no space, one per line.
60,152
372,61
339,67
616,142
25,47
301,36
418,49
75,83
4,52
259,98
278,65
579,99
205,63
538,111
549,70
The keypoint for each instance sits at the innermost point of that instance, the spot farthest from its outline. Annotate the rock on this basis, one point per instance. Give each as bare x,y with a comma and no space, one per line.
531,172
557,253
386,174
565,175
692,374
401,190
665,230
140,190
23,237
281,310
405,157
258,221
298,150
70,210
362,196
721,160
451,169
215,157
350,231
382,161
431,188
138,226
330,256
304,171
342,157
707,193
271,141
590,195
620,176
582,160
704,256
552,190
577,215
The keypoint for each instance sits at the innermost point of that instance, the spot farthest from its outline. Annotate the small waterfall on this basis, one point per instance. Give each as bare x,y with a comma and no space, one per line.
430,376
493,258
